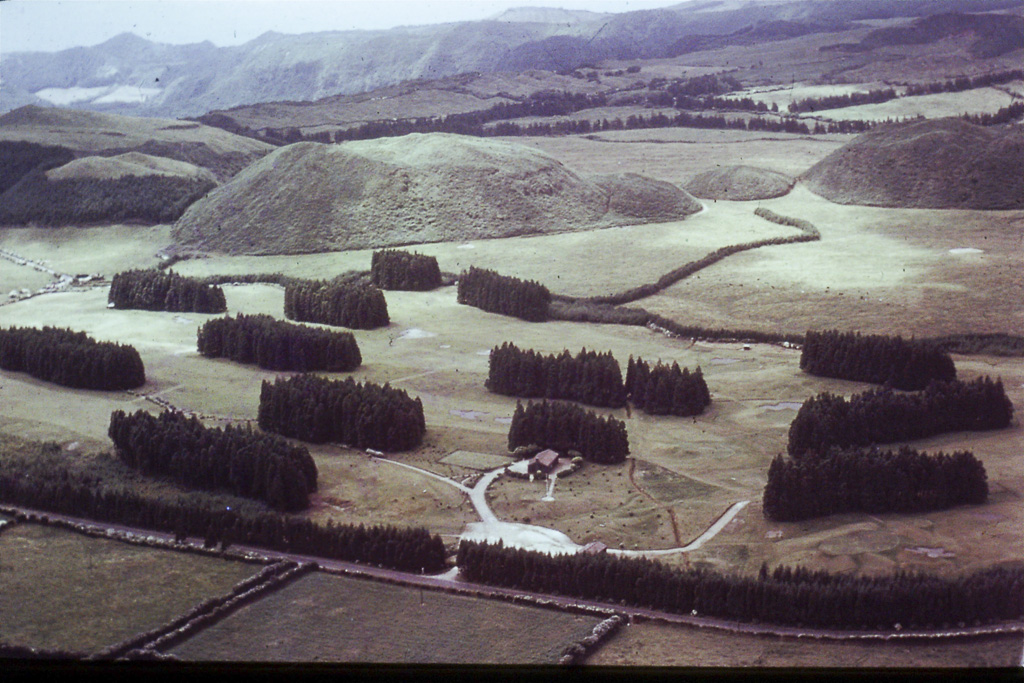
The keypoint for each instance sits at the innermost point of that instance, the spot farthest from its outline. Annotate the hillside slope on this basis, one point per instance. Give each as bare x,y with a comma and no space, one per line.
309,197
86,133
126,187
740,183
939,163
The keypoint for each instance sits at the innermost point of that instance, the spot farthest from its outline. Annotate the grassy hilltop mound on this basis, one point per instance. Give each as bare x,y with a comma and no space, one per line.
310,197
86,133
126,187
740,183
937,164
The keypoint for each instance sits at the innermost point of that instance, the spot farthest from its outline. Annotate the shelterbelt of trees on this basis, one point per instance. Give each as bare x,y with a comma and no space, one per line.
395,269
494,293
71,359
666,390
566,426
879,359
596,379
247,463
871,481
345,304
318,410
153,290
278,345
885,416
784,596
40,476
589,377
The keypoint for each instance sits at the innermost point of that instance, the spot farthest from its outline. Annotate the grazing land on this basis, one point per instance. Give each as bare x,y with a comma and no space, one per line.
653,644
914,272
67,591
324,618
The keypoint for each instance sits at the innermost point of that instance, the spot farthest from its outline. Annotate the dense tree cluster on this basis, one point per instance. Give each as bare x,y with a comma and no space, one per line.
318,410
277,345
965,83
784,596
852,99
237,459
19,158
565,427
589,377
1011,112
153,290
394,269
486,289
345,304
879,359
871,481
70,201
666,390
71,359
885,416
47,481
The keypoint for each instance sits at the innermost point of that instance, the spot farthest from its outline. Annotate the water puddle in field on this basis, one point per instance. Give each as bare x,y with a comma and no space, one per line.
966,250
724,361
933,553
785,405
467,414
415,333
182,319
485,352
466,246
445,346
503,420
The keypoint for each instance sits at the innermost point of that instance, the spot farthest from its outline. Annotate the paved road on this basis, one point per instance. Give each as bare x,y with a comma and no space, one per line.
449,580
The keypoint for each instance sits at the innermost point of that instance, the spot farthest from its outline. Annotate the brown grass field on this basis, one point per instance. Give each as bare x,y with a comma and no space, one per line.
653,644
875,270
325,618
63,590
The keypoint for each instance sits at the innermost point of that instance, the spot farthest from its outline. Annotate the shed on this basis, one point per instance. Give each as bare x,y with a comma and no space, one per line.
543,462
594,548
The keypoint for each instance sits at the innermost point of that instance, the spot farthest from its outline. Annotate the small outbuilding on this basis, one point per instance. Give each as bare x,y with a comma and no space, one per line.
594,548
543,463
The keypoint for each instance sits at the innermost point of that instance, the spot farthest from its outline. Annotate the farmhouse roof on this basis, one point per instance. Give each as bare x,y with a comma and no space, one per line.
546,458
594,547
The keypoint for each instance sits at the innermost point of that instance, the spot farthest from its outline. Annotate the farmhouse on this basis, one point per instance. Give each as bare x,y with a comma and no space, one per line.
543,462
594,548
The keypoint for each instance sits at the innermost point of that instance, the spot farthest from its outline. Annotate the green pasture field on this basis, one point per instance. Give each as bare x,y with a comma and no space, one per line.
722,455
13,276
875,270
339,619
64,590
653,644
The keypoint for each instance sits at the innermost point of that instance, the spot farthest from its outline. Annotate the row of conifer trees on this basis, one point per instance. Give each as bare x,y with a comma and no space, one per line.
595,379
278,345
871,481
589,377
71,359
394,269
885,416
318,410
666,390
154,290
237,459
339,303
489,291
785,596
566,426
49,481
879,359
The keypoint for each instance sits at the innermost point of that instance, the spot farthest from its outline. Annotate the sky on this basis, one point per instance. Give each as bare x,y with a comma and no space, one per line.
51,25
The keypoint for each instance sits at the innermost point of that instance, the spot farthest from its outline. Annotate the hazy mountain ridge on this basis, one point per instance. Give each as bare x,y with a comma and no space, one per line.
131,75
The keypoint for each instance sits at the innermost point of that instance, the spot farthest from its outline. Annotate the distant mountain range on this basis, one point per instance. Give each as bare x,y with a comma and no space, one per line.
131,75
